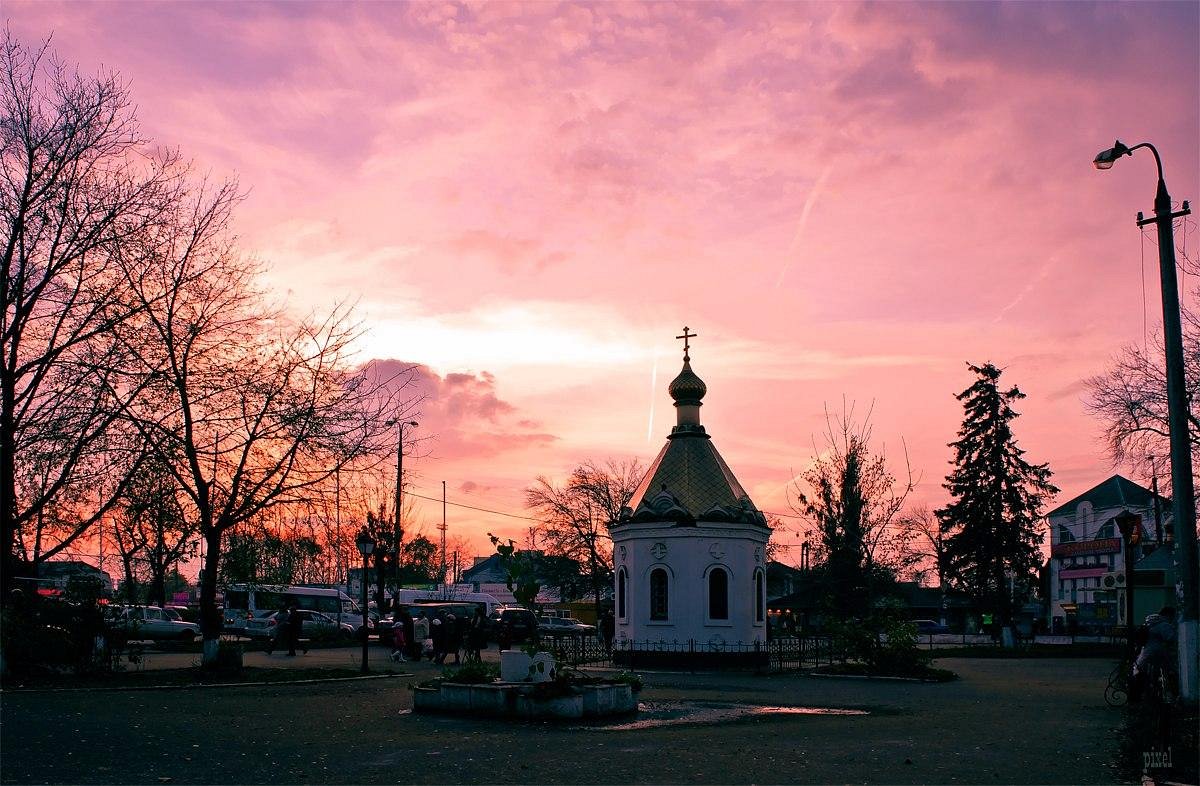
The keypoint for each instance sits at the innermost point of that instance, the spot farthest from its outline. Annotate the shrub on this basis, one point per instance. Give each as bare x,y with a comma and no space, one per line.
628,677
472,673
885,642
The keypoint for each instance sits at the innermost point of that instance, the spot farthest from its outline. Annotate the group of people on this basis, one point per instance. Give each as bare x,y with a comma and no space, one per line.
437,636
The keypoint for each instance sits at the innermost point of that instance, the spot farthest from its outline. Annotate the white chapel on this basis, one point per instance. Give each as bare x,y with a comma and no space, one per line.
689,549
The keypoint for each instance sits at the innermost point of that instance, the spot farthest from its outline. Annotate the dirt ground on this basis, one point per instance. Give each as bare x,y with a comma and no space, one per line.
1005,721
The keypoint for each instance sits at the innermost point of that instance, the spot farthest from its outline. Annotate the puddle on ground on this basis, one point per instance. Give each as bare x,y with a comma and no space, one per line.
653,714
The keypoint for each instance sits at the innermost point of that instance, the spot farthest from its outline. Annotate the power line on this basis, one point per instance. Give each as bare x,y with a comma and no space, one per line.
472,507
532,518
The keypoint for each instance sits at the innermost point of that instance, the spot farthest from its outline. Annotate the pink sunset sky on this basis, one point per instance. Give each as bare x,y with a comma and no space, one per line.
844,201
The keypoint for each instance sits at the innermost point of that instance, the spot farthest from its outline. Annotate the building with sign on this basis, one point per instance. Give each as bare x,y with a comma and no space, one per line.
1088,553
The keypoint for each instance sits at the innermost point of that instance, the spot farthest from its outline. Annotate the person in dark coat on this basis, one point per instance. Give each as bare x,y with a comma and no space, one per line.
453,639
477,635
437,632
608,629
412,648
295,623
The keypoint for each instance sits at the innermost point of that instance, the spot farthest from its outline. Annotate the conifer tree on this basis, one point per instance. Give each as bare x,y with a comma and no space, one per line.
997,498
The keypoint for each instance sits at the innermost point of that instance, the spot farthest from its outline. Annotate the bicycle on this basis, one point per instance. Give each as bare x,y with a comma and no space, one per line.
1116,693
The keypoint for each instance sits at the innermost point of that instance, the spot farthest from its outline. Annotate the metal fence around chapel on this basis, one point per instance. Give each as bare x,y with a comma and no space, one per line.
777,655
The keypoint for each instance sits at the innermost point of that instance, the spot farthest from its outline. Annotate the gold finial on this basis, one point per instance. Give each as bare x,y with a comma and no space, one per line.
685,338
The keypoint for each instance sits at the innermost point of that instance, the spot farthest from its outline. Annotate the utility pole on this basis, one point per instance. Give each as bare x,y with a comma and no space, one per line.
399,529
1183,500
337,529
443,529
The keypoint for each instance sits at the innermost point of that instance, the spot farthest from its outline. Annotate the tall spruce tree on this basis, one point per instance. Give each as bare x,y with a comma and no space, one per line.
997,498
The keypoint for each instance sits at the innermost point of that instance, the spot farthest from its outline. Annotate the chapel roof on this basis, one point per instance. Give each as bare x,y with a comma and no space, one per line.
689,481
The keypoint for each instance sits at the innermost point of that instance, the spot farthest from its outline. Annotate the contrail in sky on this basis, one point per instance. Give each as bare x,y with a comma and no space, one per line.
653,387
808,206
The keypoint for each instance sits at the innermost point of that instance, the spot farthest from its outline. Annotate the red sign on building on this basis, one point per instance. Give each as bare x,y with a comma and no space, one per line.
1081,547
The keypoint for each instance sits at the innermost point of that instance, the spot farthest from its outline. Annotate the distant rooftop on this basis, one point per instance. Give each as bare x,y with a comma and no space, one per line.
1116,492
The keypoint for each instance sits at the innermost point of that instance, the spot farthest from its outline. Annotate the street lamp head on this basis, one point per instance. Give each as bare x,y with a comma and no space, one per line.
1106,158
365,543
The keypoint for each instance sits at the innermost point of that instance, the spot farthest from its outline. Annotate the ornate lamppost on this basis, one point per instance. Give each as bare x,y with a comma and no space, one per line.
365,544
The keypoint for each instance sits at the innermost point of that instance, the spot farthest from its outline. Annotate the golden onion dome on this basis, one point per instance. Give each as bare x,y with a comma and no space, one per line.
687,388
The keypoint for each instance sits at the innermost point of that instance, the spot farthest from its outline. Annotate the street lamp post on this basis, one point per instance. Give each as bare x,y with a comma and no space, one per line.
400,494
1183,500
365,544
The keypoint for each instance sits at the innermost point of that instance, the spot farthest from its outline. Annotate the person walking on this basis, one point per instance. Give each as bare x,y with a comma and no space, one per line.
279,636
295,623
437,632
398,641
412,647
608,629
421,635
477,636
453,635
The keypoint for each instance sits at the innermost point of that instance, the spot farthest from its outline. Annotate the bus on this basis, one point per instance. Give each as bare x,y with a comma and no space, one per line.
408,596
243,601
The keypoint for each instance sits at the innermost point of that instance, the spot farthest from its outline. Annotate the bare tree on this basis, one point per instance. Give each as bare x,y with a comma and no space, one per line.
850,500
576,516
151,529
924,544
1130,399
248,407
79,187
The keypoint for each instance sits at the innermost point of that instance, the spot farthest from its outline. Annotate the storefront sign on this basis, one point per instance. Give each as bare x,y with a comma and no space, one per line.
1080,547
1082,573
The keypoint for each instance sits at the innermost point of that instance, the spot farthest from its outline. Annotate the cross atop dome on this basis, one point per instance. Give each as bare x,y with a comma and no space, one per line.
685,338
687,389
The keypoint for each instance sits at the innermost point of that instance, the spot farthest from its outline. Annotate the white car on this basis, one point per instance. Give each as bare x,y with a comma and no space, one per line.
564,626
315,625
149,622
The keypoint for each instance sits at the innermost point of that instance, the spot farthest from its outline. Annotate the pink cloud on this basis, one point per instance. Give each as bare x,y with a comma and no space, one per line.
644,166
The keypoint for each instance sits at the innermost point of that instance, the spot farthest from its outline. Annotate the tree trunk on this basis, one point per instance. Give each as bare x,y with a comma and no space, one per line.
158,587
212,618
13,566
130,588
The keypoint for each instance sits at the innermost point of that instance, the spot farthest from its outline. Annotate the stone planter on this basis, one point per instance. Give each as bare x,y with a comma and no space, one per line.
557,707
521,700
455,697
491,700
601,700
427,700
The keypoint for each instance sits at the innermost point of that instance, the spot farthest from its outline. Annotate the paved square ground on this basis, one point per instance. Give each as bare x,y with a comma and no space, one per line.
1005,721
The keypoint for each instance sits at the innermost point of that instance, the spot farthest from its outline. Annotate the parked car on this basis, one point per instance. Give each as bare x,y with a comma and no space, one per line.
184,613
927,627
150,622
314,625
513,623
558,627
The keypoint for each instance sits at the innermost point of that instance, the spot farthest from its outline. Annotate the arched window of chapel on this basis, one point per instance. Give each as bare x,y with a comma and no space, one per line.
718,594
621,594
758,596
658,595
